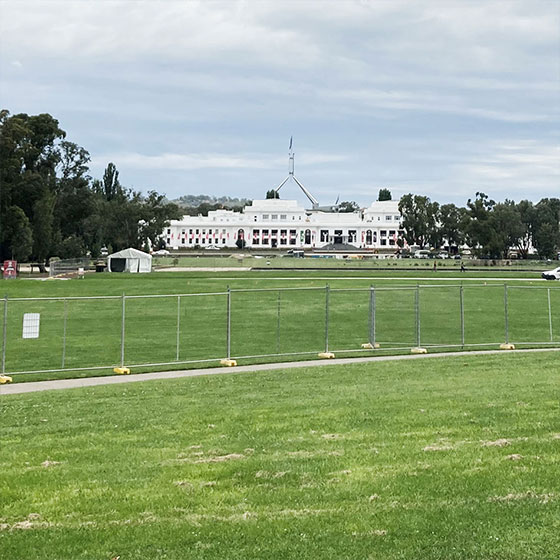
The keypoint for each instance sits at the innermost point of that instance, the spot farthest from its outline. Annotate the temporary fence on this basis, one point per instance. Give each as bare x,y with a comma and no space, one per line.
58,267
87,333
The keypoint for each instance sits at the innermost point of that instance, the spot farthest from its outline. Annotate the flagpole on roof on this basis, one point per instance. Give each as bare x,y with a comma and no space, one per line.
291,154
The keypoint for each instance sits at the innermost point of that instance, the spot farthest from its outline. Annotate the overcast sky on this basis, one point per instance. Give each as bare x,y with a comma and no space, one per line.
442,98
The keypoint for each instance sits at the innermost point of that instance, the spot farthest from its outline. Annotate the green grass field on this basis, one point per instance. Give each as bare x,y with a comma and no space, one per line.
272,259
286,317
443,458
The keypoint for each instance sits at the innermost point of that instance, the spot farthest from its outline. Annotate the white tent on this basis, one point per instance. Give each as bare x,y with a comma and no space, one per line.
129,260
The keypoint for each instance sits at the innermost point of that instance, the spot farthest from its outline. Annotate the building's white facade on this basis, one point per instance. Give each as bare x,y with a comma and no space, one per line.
284,224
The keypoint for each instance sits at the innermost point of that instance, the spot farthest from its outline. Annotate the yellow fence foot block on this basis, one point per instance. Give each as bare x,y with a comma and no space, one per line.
122,370
228,363
5,379
507,346
326,355
418,350
370,346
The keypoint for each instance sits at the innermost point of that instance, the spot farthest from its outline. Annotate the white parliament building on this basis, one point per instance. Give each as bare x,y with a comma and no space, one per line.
285,224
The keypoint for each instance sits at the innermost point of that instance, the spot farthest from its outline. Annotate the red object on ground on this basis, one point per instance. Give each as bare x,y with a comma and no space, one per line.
10,269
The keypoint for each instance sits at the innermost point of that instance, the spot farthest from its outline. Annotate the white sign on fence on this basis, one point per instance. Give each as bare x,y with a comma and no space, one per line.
31,325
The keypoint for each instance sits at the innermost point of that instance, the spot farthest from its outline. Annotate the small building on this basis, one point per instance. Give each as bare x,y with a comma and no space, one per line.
129,260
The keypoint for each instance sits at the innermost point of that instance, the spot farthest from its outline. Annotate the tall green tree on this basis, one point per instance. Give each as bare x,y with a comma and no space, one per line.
17,229
384,194
452,223
528,217
347,206
272,194
479,229
546,236
419,219
156,213
30,154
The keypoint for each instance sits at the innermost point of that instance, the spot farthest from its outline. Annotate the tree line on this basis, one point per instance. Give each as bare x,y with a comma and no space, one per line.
492,229
51,206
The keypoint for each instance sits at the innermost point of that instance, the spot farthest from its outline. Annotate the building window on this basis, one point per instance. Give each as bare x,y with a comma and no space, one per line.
324,236
352,236
383,242
368,237
190,241
283,216
383,233
293,240
168,232
183,231
274,233
265,233
203,240
190,231
168,241
265,241
293,233
183,241
397,218
283,241
388,218
274,217
197,232
265,216
255,218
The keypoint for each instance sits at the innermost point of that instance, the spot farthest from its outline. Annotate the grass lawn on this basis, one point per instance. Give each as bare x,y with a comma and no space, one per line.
171,330
245,259
448,459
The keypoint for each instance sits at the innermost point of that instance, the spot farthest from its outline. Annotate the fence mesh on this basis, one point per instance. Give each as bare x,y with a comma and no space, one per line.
96,332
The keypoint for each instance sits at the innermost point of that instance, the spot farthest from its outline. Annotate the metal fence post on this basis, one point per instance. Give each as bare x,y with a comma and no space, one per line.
278,324
64,332
550,316
123,318
327,294
4,333
506,314
417,307
462,304
178,326
372,316
228,321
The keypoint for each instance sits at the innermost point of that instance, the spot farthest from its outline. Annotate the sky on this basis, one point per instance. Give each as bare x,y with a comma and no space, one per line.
440,98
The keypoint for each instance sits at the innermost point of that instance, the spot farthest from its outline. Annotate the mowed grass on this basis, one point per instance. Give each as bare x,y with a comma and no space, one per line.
443,458
286,315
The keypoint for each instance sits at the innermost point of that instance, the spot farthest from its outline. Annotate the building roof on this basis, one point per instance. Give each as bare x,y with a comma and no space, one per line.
130,253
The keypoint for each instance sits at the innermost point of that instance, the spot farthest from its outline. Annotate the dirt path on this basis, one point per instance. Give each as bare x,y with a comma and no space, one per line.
34,386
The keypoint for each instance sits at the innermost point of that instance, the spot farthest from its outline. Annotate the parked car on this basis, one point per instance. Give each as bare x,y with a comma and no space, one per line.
422,254
161,253
211,248
553,274
443,255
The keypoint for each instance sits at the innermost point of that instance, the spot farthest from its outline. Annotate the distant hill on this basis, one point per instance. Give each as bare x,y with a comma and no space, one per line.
195,200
